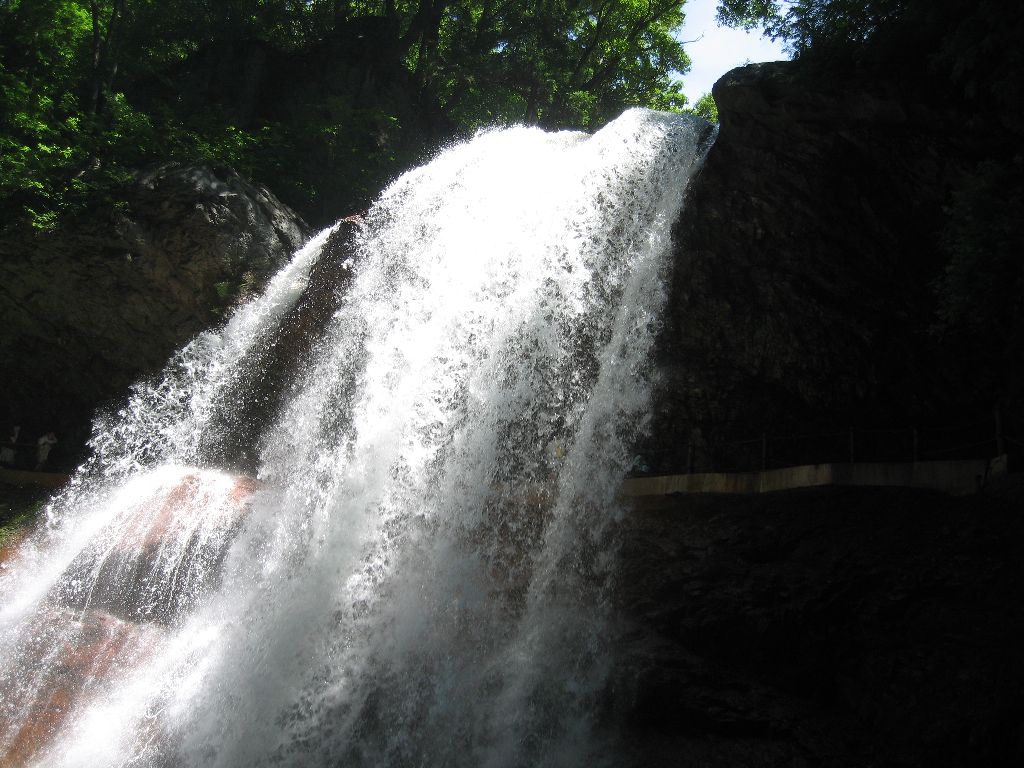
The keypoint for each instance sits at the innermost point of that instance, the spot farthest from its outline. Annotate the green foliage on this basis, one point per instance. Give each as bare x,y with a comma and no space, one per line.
19,509
12,528
706,107
557,63
807,24
91,89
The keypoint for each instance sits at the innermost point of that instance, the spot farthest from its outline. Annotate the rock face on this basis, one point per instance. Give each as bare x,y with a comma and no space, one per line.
823,627
826,627
165,551
89,310
802,297
275,363
85,652
162,551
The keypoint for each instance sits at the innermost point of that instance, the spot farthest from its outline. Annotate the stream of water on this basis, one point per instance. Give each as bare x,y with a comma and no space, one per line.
420,571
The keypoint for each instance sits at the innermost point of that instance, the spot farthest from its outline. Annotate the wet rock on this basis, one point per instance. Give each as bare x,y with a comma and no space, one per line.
161,552
163,549
74,659
277,361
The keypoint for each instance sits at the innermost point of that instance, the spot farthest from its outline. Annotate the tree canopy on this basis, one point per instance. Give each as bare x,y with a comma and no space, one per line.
302,95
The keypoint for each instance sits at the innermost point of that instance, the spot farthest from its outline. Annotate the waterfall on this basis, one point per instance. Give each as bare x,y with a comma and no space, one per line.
417,564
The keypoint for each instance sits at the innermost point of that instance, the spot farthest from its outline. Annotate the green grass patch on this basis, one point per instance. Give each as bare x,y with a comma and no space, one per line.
19,509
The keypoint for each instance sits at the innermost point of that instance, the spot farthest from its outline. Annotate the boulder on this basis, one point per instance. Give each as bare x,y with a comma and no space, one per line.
94,306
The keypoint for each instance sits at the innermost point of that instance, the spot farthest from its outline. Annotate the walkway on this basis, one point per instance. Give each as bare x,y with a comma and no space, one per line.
954,477
26,477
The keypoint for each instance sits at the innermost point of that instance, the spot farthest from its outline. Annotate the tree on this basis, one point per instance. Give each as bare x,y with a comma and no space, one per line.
90,89
706,107
557,62
554,61
41,122
807,24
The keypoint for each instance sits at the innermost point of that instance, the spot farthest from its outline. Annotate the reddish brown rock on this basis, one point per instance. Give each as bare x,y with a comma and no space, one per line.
164,553
71,662
109,611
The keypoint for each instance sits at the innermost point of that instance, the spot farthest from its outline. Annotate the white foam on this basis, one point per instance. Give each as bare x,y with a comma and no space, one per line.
424,577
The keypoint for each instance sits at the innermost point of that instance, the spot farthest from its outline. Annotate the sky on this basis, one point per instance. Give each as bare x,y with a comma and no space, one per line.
720,49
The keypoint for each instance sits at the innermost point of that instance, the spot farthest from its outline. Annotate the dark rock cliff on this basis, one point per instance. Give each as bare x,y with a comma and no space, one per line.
88,310
826,627
823,627
803,297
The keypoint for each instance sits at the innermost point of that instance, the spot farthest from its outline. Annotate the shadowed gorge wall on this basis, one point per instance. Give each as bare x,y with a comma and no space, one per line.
804,293
839,628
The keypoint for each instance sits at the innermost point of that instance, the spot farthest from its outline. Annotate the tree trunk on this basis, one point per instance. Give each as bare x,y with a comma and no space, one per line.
104,65
97,58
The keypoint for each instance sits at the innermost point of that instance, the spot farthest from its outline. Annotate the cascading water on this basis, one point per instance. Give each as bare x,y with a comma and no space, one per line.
420,572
